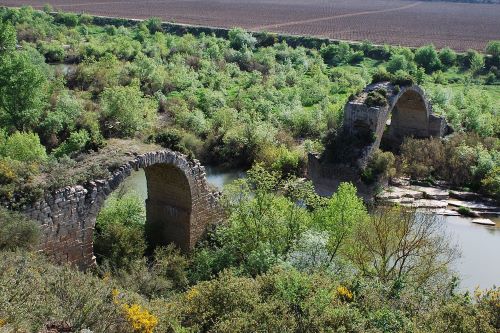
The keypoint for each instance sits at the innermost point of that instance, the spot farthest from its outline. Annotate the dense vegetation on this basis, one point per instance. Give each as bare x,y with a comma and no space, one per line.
284,260
68,86
327,265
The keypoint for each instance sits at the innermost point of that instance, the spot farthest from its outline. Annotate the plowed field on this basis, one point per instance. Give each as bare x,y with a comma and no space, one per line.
413,23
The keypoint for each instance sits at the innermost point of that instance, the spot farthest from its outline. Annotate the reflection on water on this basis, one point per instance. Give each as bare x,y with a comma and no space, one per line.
219,178
480,245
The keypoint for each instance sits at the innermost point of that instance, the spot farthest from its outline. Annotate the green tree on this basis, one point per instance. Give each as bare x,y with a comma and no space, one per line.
8,38
342,212
126,111
475,61
427,57
398,62
24,147
239,39
447,57
119,238
22,91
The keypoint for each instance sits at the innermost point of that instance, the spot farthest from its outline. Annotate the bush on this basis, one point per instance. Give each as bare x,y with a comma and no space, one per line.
382,164
126,111
34,291
474,61
24,147
239,39
376,98
447,57
68,19
119,239
76,143
381,75
53,51
337,54
427,57
398,62
17,231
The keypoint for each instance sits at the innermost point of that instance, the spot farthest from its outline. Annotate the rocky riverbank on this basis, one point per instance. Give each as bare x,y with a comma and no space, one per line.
441,200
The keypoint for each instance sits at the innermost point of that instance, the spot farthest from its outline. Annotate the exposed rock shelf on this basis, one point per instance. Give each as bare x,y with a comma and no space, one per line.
439,200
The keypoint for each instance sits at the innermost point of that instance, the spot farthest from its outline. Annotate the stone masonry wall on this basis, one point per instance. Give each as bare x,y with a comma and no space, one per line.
67,216
411,116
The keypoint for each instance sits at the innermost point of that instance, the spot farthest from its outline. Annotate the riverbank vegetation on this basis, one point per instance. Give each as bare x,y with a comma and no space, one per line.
273,265
68,87
78,99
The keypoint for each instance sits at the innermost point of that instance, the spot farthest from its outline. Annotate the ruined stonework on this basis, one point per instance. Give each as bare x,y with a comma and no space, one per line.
407,113
179,207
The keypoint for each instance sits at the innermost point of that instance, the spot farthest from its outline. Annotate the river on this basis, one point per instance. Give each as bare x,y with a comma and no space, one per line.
479,264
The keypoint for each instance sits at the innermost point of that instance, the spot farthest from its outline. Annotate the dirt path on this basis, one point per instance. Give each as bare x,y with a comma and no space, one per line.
320,19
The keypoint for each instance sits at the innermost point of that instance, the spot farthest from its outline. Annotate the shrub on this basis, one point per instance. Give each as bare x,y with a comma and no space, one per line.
465,211
398,62
474,61
427,57
33,291
490,184
76,143
24,147
17,231
126,111
381,75
376,98
68,19
381,164
336,54
53,51
239,39
447,57
119,237
153,24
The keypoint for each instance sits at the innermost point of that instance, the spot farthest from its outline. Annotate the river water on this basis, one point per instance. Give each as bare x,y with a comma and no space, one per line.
478,266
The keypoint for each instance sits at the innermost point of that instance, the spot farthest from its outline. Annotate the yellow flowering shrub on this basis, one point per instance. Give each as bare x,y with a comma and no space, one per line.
344,294
139,318
192,293
3,322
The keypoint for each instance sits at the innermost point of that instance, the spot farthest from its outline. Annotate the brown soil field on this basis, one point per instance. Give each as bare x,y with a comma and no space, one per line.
402,22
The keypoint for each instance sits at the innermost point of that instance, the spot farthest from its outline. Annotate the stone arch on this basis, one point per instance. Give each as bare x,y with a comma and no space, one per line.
179,207
407,109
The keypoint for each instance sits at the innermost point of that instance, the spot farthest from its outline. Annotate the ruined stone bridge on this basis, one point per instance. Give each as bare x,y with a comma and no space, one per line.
370,121
179,207
406,113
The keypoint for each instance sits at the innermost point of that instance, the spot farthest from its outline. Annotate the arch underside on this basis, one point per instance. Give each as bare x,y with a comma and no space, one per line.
409,117
168,206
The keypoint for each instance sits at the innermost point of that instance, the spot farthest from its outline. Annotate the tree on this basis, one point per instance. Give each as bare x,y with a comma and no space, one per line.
125,110
22,91
474,61
493,49
447,57
239,39
427,57
119,237
24,147
8,38
336,54
398,62
399,243
342,212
